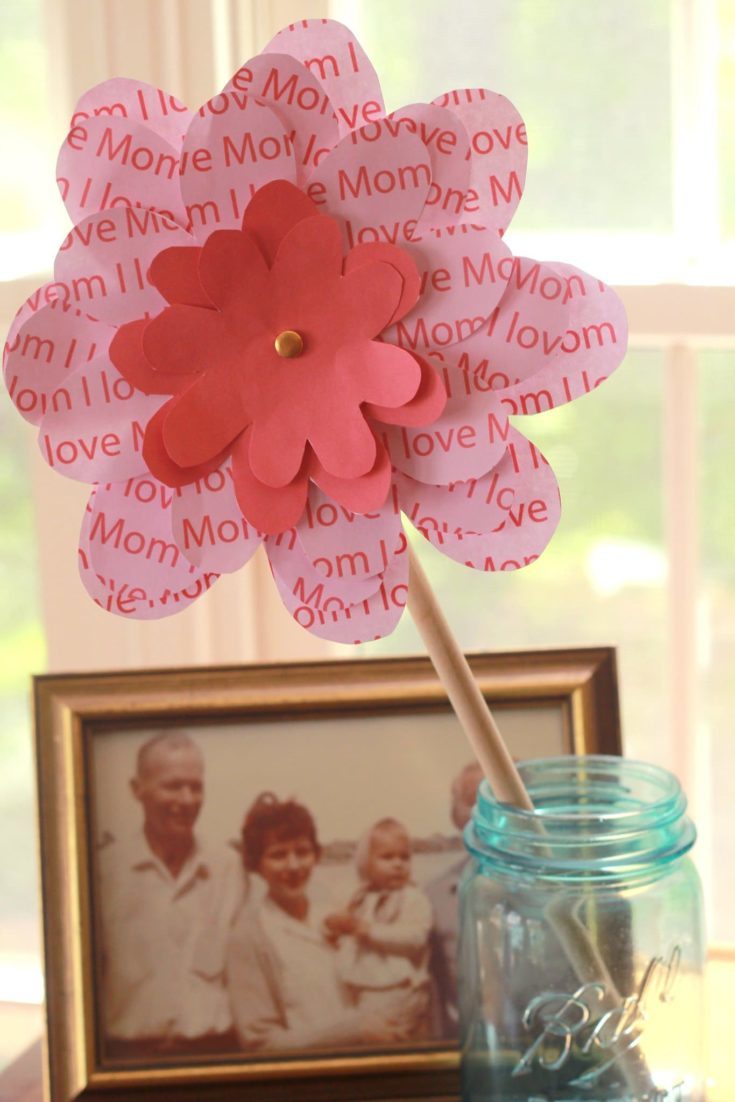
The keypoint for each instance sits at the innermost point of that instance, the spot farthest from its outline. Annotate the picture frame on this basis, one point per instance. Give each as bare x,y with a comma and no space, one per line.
547,702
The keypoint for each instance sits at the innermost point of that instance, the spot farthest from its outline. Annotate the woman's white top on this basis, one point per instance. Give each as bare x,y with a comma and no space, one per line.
312,991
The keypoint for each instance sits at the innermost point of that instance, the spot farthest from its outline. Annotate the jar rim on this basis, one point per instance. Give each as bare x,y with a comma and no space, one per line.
671,796
594,815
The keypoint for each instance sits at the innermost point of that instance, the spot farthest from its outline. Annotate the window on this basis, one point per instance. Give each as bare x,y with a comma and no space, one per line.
24,211
631,176
31,217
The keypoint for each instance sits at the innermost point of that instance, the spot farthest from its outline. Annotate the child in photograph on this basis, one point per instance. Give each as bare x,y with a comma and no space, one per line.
383,934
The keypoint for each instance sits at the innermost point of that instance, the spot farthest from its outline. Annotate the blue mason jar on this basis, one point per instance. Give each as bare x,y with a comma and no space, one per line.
581,949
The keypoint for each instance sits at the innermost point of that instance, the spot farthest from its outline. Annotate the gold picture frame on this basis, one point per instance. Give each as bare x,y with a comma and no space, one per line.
547,702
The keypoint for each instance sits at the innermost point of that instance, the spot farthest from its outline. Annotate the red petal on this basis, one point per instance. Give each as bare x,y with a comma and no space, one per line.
126,353
232,269
424,408
174,273
359,495
277,445
401,260
271,213
350,451
183,339
159,462
270,510
312,249
204,420
380,373
369,294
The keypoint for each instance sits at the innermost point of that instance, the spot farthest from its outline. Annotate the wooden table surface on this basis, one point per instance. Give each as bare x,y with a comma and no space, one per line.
22,1081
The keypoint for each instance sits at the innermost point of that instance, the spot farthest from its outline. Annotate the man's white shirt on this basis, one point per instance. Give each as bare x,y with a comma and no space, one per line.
163,940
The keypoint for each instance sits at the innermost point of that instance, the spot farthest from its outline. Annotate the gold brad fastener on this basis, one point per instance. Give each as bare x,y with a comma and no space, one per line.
289,344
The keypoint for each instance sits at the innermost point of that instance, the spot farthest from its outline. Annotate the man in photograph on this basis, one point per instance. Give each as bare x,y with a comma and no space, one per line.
167,904
442,893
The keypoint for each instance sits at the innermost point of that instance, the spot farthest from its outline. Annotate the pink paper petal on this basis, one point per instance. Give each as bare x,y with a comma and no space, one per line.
525,332
343,544
102,263
464,272
94,426
468,438
360,495
129,561
269,509
208,525
593,346
377,181
234,146
335,619
293,568
298,99
106,163
498,154
45,295
426,405
448,144
336,59
42,353
502,521
175,273
128,599
272,212
399,259
138,102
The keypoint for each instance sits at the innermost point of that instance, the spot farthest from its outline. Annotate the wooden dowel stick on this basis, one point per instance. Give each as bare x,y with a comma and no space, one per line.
464,694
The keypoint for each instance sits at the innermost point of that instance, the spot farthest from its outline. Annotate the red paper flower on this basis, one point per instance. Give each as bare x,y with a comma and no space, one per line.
290,214
275,364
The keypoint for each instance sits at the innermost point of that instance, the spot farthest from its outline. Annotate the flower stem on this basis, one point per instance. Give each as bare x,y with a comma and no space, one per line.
464,694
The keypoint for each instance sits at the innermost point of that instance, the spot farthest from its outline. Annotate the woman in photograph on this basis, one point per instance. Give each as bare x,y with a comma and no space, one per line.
281,969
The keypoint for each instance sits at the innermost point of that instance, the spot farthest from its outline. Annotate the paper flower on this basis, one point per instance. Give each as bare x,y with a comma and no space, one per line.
287,410
289,318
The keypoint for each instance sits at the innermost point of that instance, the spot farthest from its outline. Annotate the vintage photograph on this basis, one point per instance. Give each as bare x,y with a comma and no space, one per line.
251,900
250,872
